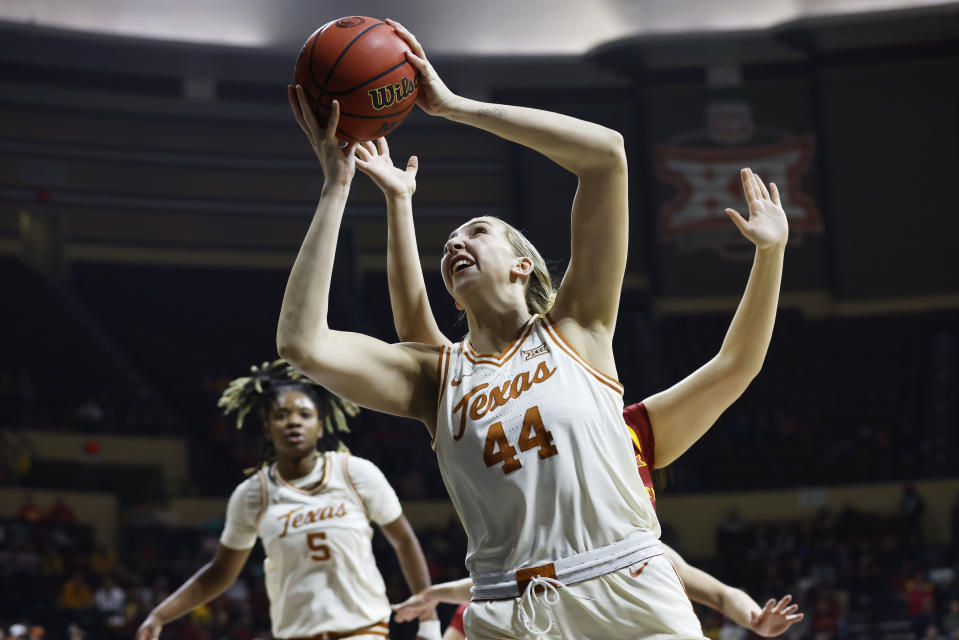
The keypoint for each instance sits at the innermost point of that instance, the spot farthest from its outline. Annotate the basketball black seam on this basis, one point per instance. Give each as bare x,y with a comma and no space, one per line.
340,57
319,97
309,62
366,82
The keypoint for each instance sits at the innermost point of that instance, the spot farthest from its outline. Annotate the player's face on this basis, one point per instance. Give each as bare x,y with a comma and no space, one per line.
293,424
476,252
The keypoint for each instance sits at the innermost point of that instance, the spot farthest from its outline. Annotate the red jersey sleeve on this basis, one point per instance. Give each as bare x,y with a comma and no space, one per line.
457,621
644,445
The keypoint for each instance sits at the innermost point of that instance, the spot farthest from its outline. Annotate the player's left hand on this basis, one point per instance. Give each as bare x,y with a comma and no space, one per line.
373,159
766,227
775,618
417,605
434,97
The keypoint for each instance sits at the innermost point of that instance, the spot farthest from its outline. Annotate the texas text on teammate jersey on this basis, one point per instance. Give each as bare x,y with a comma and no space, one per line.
320,572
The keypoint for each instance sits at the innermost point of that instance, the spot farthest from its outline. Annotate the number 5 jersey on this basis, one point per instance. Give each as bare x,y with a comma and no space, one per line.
535,454
320,572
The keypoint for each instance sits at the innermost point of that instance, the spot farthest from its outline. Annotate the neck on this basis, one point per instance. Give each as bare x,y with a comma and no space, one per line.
493,330
293,468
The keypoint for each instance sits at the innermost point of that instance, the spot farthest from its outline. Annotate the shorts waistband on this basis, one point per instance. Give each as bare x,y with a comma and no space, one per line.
582,566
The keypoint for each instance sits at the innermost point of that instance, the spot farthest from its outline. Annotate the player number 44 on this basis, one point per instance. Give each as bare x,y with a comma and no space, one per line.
534,435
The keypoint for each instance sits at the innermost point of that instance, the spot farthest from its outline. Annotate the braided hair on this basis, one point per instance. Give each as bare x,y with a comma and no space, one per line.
256,393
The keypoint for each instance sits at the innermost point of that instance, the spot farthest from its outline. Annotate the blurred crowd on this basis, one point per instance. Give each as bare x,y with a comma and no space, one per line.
854,574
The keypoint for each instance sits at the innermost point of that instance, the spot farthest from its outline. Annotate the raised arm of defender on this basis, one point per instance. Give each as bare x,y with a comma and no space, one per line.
681,414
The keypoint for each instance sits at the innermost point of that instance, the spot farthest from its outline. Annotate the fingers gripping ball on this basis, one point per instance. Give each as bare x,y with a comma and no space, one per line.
360,62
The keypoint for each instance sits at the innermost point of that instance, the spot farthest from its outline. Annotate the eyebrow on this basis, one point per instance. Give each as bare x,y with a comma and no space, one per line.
472,224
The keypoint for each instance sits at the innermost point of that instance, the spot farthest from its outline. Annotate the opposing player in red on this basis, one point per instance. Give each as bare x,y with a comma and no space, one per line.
526,413
414,322
311,506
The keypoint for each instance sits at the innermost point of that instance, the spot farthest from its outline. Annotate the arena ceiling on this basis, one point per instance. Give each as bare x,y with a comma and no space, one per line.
446,27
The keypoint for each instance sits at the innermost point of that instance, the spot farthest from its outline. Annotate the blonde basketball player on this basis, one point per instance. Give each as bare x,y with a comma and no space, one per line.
526,413
311,506
414,322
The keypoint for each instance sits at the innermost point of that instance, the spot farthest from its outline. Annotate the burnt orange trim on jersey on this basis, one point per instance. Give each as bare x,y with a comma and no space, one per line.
264,503
349,483
320,485
376,629
553,332
508,352
442,371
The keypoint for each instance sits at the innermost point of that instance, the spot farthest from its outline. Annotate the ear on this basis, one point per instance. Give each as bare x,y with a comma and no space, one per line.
523,267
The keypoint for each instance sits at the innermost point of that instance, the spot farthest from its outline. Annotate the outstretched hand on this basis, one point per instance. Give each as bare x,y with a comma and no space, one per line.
337,160
767,226
416,605
373,159
434,96
775,618
149,630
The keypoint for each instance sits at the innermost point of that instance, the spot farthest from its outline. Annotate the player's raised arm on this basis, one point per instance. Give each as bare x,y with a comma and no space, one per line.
590,291
681,414
396,379
412,315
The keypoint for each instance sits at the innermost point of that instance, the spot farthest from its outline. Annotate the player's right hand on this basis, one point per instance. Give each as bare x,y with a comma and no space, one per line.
149,630
413,607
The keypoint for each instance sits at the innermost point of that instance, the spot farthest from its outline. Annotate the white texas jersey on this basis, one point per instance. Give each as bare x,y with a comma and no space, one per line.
320,571
534,452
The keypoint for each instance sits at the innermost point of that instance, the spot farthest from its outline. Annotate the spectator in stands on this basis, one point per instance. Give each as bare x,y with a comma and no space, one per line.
76,594
911,508
61,513
950,623
109,600
955,529
29,511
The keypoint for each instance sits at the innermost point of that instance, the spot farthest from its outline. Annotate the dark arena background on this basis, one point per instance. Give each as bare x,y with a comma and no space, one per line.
154,191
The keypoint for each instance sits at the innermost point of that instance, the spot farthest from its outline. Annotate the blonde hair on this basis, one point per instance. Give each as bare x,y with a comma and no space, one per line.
540,293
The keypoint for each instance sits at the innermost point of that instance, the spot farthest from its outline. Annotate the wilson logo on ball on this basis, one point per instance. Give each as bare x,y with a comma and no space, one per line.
387,96
352,21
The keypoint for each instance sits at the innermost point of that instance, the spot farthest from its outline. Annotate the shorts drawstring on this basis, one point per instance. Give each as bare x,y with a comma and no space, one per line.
549,597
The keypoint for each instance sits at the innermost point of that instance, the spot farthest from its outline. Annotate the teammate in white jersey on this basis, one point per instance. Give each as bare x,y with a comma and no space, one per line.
526,413
311,506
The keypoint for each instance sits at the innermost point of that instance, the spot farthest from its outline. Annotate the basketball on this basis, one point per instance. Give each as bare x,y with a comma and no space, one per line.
362,63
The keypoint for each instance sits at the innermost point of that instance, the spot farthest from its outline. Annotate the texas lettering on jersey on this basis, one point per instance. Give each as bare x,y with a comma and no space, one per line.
477,402
296,518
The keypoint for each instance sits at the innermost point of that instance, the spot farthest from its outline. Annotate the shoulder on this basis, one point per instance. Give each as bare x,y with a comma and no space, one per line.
360,469
251,491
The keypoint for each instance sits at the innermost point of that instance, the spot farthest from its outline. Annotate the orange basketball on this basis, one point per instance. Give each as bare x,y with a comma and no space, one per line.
360,62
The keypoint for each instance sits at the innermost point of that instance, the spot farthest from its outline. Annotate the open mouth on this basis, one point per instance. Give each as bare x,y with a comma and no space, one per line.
461,263
295,437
